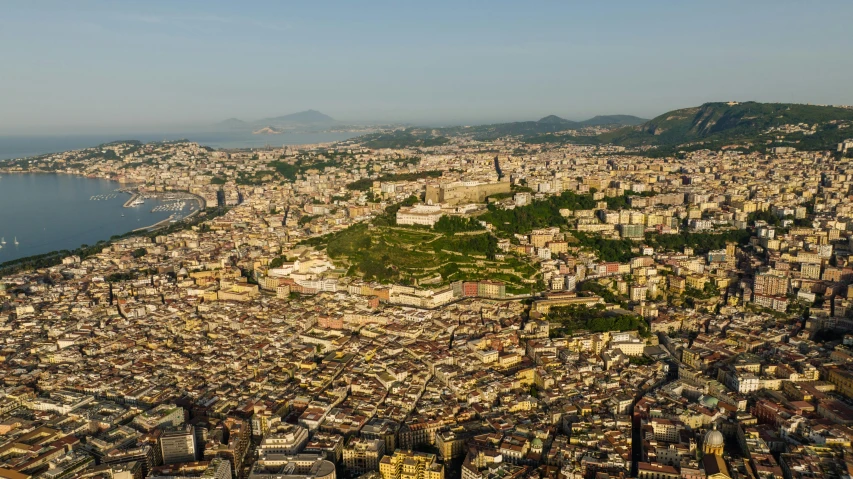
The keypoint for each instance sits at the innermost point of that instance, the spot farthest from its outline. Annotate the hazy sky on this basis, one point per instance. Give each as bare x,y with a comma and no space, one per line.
93,65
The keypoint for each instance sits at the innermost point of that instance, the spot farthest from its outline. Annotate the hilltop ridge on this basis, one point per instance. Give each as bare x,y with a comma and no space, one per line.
717,124
302,118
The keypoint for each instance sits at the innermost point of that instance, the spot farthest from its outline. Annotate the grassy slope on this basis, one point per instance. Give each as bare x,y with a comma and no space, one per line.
719,122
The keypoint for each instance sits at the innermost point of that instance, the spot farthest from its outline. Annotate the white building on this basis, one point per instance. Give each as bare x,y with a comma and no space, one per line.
426,215
288,440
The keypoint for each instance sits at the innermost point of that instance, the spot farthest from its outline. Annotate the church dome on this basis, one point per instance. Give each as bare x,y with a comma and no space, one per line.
714,438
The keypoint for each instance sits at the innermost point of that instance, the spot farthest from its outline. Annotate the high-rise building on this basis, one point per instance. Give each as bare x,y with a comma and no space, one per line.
230,441
770,285
178,445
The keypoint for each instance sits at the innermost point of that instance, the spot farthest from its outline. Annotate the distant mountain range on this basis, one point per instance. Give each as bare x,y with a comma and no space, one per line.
302,118
737,122
420,137
548,124
607,120
747,126
600,120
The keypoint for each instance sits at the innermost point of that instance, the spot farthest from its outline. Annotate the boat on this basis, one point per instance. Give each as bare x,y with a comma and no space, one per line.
3,240
137,202
16,241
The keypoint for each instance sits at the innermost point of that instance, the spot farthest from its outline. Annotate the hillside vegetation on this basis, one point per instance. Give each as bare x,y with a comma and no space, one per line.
718,124
425,137
748,126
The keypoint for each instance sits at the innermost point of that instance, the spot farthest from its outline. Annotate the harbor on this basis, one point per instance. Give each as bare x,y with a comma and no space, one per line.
182,205
61,212
171,201
105,197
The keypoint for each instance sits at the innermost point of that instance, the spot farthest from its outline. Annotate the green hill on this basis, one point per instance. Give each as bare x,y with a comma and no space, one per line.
423,137
746,126
718,124
607,120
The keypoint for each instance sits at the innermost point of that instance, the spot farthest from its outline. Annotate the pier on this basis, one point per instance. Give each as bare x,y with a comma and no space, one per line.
155,225
133,198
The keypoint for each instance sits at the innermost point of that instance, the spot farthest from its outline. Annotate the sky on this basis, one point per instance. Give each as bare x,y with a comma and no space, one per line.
90,66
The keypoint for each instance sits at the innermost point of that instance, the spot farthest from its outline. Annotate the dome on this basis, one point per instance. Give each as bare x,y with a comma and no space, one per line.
714,438
537,443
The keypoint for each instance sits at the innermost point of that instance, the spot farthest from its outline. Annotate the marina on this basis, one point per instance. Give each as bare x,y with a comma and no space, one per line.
171,206
61,212
104,197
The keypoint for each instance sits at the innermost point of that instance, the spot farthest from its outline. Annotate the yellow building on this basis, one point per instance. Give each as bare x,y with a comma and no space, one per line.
410,465
843,380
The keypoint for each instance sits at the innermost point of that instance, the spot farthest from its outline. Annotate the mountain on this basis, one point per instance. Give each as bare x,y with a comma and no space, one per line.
307,117
543,126
268,130
541,129
232,123
556,120
302,118
717,124
615,120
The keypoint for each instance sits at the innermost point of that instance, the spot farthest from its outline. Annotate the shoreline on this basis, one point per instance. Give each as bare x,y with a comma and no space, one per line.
133,191
57,254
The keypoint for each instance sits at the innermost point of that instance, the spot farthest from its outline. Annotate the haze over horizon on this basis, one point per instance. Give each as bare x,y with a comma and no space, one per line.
97,66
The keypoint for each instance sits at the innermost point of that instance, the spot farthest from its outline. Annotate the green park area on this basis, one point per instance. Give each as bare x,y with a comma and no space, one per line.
418,256
567,320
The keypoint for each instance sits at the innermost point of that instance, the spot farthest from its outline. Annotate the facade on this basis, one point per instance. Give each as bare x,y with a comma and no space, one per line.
286,439
770,285
632,231
162,416
384,429
178,445
655,470
464,192
491,289
217,468
410,465
426,215
304,466
363,455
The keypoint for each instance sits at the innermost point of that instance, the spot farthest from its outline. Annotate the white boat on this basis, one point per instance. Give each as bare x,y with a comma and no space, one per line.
3,240
16,241
137,202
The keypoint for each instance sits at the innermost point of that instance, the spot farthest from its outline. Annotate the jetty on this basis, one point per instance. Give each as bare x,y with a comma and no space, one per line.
131,200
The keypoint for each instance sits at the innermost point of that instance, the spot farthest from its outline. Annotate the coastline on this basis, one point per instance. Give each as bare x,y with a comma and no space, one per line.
126,188
132,190
202,205
54,258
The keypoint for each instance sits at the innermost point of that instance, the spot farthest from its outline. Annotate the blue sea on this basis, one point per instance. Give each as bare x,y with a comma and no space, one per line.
23,146
50,212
